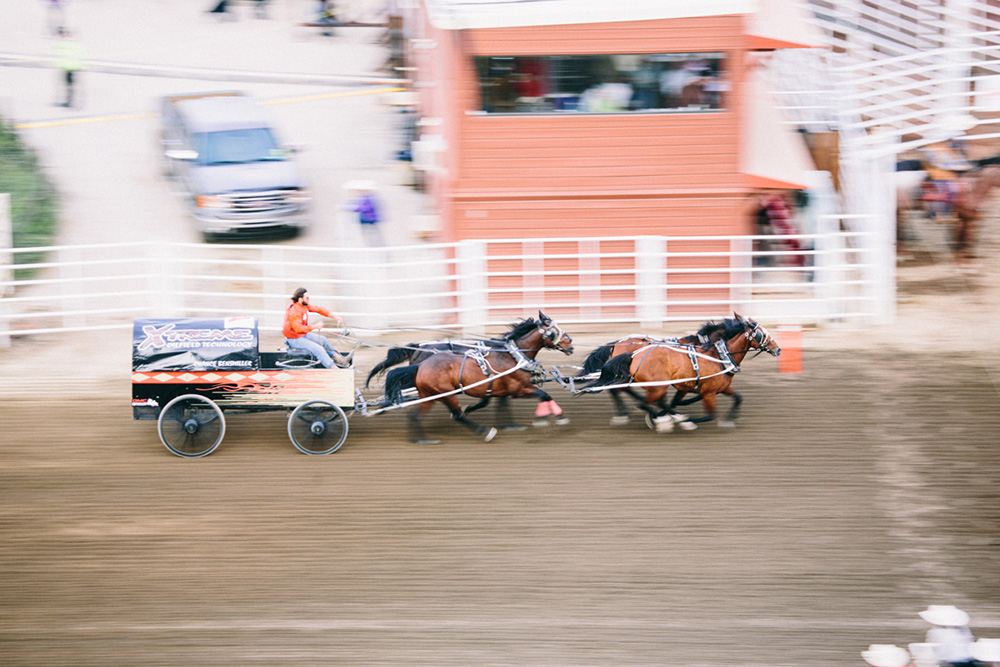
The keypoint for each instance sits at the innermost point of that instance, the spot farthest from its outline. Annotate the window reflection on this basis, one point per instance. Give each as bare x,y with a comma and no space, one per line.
601,84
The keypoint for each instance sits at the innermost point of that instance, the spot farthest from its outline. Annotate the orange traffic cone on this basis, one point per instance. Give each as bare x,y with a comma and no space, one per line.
790,340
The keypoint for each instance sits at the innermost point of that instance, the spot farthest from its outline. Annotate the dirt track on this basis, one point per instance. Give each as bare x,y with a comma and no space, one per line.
848,499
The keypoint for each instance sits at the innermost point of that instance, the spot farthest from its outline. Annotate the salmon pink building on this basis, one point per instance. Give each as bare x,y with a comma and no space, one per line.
579,118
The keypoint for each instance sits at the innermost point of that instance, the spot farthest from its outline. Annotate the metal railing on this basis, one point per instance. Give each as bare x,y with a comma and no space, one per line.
469,285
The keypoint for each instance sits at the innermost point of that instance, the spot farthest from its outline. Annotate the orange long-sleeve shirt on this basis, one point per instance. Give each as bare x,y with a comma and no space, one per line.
297,319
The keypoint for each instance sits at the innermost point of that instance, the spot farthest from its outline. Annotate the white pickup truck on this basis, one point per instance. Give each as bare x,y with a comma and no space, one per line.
223,152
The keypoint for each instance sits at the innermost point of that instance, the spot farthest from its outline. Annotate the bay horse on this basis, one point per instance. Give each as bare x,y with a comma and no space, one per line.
712,376
506,372
415,353
975,188
708,333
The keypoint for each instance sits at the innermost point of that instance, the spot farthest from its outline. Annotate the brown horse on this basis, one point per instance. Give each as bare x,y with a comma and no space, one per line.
662,367
506,372
975,189
708,333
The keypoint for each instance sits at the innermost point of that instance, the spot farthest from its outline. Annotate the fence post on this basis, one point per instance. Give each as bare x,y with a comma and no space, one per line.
471,270
6,261
650,265
69,275
741,277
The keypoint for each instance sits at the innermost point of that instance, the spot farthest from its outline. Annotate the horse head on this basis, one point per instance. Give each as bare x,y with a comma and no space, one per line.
758,336
553,336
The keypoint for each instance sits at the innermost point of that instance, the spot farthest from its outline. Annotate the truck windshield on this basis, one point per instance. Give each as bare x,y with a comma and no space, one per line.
237,147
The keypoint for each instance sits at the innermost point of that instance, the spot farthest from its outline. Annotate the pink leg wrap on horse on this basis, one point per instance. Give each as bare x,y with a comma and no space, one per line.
556,410
543,409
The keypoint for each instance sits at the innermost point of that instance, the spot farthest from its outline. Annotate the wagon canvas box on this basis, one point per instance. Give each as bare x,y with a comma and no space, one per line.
186,372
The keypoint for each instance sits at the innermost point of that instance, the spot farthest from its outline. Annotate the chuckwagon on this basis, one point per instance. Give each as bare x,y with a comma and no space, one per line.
186,373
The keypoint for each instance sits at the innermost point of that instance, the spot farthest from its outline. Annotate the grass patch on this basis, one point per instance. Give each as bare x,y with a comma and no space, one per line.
33,200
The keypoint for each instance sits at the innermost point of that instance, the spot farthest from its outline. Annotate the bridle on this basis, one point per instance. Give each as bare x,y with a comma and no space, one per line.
758,336
552,333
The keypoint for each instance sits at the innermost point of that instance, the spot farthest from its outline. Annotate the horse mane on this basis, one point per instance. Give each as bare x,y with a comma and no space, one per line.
730,327
521,328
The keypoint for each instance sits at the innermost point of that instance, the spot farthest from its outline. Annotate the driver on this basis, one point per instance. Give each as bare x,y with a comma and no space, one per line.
298,333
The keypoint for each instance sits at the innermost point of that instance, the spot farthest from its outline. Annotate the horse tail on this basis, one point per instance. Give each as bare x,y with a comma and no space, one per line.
616,371
596,359
397,380
397,355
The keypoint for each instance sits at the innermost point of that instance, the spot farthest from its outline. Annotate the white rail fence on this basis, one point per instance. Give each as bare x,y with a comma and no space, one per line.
471,285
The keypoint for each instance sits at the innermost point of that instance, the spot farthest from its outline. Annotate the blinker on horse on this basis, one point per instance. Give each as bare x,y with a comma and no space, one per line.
659,367
507,372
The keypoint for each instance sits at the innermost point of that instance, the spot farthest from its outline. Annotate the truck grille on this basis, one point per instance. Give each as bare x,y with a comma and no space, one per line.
258,202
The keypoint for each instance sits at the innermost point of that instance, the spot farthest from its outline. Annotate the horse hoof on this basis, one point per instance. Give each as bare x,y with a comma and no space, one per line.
426,441
678,418
513,427
492,433
725,423
539,423
649,422
562,421
665,427
687,426
619,420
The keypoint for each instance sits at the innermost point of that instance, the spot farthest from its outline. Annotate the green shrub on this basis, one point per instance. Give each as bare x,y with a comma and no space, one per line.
33,201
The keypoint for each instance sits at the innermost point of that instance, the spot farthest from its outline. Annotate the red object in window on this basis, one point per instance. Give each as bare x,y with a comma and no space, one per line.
529,77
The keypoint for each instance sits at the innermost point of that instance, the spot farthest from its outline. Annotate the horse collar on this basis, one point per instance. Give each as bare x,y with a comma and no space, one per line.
726,357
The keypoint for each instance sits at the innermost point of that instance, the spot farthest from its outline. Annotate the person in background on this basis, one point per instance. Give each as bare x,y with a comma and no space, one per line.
367,208
886,655
987,651
68,59
950,635
944,162
299,334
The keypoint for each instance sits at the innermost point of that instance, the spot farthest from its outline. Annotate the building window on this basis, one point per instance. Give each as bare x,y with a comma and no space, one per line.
687,82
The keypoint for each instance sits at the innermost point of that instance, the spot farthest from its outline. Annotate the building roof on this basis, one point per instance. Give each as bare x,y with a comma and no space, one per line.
772,24
477,14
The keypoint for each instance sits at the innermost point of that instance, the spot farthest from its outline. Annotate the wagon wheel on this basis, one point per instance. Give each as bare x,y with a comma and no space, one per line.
191,426
317,427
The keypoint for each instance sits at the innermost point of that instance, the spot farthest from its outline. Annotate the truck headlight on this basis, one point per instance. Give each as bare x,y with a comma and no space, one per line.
211,201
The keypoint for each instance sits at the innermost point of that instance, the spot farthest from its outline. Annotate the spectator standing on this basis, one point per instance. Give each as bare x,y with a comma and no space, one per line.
68,59
367,208
950,635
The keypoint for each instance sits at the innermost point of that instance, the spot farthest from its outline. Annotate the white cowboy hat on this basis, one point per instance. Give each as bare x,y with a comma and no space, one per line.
886,655
944,614
986,650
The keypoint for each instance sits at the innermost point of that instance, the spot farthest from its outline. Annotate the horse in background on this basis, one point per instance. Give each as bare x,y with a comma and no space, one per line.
664,367
503,372
708,333
968,206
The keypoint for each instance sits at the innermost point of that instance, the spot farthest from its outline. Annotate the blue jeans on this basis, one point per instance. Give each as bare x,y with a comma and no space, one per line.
317,345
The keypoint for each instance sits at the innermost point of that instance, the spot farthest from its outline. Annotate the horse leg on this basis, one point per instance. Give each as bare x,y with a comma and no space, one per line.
487,432
546,407
505,417
621,411
481,404
709,402
415,428
964,228
730,419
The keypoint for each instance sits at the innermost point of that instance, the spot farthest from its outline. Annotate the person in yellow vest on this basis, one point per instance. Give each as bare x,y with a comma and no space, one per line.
68,59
